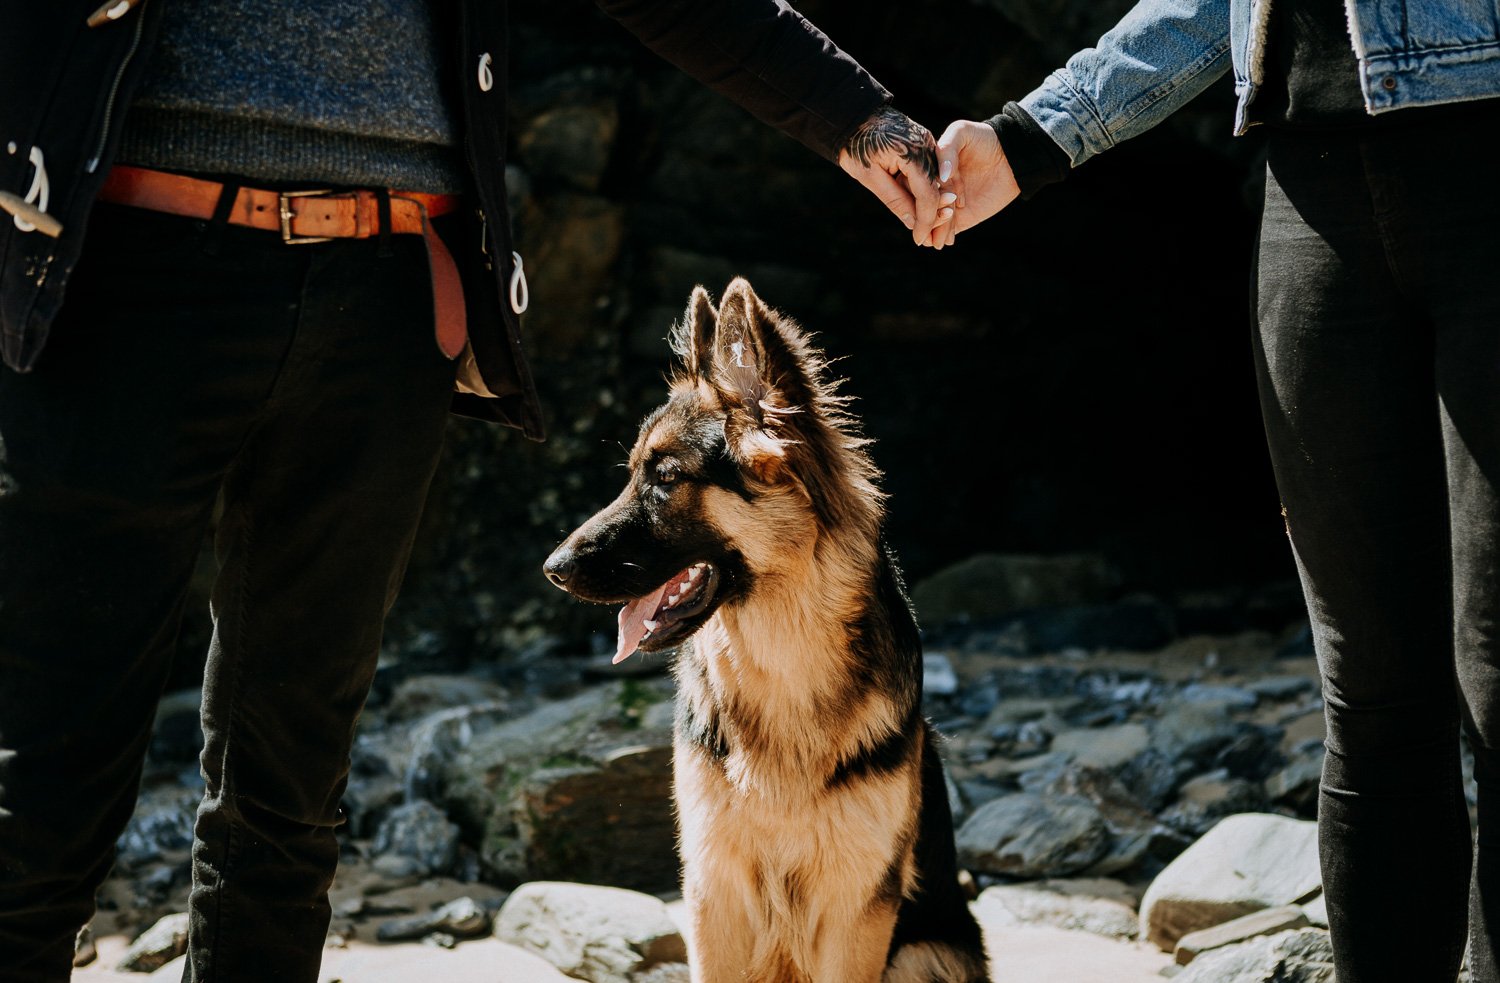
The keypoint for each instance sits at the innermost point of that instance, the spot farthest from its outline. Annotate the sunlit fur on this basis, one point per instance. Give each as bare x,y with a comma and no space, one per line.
800,752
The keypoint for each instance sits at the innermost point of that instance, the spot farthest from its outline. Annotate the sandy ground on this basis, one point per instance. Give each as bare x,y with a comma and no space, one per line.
1020,955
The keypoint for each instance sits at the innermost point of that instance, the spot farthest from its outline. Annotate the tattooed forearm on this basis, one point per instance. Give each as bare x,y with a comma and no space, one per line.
891,130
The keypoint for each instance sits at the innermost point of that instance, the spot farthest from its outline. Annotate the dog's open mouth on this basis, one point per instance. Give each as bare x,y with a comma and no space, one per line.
662,617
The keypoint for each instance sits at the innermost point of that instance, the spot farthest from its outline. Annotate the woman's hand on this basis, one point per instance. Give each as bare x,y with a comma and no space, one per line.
896,159
972,166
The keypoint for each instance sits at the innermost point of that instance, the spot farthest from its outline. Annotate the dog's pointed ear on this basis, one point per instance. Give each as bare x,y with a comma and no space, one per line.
692,337
759,378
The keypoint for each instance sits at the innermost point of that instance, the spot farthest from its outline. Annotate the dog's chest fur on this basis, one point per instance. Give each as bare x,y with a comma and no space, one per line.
772,708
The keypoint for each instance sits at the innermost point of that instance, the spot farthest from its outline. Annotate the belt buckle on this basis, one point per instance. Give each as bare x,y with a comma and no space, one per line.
284,208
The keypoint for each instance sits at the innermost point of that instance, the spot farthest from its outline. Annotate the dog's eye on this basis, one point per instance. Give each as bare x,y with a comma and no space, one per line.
666,474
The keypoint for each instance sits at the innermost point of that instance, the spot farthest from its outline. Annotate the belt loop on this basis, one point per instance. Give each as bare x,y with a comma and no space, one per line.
384,249
220,219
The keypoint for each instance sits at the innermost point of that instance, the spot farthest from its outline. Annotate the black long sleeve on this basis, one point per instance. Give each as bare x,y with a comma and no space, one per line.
1035,158
765,57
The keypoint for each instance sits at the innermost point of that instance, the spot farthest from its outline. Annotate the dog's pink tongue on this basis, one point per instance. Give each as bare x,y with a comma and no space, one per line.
633,622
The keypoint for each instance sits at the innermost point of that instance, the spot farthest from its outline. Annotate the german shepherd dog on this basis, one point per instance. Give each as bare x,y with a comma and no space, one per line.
814,829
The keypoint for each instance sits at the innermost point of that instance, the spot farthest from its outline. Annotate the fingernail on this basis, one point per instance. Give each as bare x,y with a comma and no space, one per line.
945,214
945,171
908,220
948,198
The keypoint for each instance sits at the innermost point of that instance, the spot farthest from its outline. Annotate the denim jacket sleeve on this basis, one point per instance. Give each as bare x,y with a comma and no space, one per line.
1160,55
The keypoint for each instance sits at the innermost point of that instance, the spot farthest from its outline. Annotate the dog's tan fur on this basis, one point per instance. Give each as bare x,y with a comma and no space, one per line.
797,852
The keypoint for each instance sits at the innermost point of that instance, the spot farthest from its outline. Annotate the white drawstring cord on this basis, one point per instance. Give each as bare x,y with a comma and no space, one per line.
520,292
40,192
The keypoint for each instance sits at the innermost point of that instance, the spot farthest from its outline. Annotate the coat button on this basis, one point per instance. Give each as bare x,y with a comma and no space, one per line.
1388,83
486,77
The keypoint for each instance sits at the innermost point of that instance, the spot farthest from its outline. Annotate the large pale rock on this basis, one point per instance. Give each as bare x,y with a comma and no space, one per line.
1304,956
1267,921
1098,907
600,934
157,946
1245,863
1026,835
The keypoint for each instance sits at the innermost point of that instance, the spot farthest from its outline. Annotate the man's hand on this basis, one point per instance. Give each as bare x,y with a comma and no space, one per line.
973,167
896,159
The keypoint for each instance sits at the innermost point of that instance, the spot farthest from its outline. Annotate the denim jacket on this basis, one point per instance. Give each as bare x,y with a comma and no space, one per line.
1164,52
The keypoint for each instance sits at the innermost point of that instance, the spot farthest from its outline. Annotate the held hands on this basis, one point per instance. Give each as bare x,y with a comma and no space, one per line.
896,159
937,189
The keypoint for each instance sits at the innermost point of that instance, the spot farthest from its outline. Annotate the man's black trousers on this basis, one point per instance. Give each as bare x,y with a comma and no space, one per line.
303,384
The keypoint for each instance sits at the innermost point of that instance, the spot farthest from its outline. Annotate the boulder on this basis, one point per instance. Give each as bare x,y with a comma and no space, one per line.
1245,863
421,833
1028,835
1098,907
157,946
1303,956
991,584
600,934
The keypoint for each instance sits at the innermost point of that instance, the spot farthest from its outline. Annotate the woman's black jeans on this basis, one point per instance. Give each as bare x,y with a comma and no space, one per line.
1378,350
303,382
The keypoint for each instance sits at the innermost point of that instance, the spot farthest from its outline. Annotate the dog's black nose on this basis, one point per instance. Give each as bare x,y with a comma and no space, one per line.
560,567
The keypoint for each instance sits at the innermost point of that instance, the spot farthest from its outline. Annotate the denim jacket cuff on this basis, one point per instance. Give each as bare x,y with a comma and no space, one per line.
1066,115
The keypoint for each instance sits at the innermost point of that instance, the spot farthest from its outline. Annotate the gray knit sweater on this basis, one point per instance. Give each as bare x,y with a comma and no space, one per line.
319,91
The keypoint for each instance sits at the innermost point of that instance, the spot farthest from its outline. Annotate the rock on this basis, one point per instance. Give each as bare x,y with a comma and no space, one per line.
420,832
177,734
1205,800
1103,747
1230,696
1069,905
157,946
1027,835
938,677
422,754
421,695
1281,687
462,918
1245,863
85,950
608,819
600,934
1268,921
1252,755
1296,785
1317,910
1303,956
1152,777
990,585
665,973
578,789
162,825
571,143
1135,835
1193,734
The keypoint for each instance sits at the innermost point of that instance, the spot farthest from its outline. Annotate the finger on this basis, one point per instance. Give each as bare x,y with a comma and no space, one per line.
892,193
950,147
925,195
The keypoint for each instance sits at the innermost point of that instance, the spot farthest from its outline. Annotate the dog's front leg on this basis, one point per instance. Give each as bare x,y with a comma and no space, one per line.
725,925
855,951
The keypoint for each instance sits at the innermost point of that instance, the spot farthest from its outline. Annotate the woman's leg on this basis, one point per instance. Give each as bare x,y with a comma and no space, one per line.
1345,356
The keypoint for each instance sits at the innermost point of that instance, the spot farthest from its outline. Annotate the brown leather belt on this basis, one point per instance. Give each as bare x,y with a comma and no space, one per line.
312,216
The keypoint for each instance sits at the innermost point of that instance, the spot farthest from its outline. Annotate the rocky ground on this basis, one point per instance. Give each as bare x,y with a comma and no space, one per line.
1133,781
